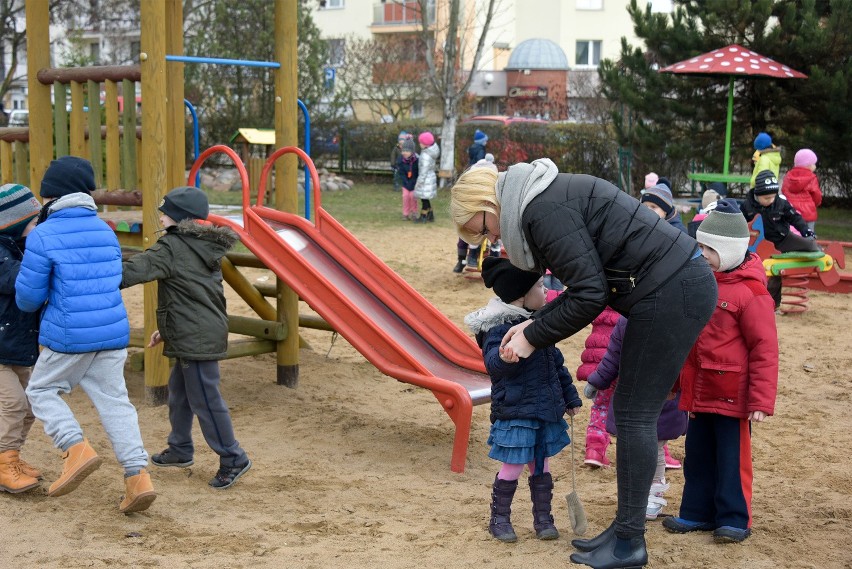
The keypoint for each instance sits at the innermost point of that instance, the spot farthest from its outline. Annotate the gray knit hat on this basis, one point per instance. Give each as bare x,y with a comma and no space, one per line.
725,230
660,195
18,206
185,202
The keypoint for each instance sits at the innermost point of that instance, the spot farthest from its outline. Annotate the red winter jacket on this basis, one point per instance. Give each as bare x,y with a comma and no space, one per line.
732,369
801,188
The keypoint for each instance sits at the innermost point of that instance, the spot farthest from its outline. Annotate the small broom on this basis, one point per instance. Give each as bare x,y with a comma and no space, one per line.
575,508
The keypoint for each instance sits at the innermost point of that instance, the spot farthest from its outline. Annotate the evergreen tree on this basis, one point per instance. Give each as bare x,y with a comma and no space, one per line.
674,122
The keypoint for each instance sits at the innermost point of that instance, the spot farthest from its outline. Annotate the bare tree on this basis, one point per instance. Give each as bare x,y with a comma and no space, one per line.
447,42
386,74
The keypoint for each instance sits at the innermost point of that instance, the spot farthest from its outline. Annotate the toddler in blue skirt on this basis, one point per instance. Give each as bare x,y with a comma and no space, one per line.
528,398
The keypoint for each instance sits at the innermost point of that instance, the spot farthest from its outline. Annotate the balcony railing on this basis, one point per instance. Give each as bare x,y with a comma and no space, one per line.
401,13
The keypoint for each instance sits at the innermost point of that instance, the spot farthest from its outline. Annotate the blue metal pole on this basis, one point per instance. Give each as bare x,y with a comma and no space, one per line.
220,61
308,152
195,146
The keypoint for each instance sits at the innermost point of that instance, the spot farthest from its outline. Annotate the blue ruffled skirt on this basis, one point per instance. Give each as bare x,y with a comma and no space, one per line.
513,441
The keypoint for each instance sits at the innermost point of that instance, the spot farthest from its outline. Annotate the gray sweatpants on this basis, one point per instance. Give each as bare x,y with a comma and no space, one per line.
101,375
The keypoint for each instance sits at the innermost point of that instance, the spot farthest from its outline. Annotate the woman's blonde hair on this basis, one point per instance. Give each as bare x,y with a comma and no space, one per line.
475,191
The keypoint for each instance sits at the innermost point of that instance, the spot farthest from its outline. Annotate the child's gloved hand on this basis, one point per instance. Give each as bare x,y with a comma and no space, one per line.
590,391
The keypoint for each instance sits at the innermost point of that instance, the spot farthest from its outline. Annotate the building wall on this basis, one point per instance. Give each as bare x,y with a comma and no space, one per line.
540,94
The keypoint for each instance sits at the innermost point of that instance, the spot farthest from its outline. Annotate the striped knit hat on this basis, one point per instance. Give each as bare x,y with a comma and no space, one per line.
659,195
725,230
18,206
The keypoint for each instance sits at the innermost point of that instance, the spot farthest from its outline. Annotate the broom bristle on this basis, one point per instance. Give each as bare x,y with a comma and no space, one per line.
576,514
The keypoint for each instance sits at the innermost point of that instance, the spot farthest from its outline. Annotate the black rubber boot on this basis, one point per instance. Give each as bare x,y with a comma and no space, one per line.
460,265
541,492
595,542
500,525
422,218
430,217
616,553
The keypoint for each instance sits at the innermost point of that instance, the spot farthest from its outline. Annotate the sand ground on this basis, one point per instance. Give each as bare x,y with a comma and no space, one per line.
351,469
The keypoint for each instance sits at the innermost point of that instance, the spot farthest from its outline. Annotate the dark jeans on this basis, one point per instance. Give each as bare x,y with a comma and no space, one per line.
661,329
194,391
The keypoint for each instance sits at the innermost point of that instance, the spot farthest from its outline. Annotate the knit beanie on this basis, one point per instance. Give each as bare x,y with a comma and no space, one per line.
67,175
426,139
407,145
709,196
651,179
185,202
725,230
659,195
480,137
509,282
805,157
18,206
766,183
402,136
762,141
663,181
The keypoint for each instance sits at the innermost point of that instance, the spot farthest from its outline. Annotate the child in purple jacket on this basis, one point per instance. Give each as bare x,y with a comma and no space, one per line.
671,425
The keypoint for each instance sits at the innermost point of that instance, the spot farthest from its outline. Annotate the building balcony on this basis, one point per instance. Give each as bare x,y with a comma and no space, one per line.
398,16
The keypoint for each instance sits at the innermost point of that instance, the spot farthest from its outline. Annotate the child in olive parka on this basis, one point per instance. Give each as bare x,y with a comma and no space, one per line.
193,324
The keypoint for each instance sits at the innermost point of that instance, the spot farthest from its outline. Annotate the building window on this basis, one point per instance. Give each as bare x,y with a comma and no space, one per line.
588,53
590,4
417,110
134,51
661,6
330,4
336,52
95,52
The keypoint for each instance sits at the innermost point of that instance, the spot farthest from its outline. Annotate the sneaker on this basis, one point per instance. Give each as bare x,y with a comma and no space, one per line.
168,458
228,476
680,525
656,500
730,534
671,462
596,459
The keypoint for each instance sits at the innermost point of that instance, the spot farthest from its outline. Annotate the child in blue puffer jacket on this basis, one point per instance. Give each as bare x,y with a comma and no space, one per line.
528,398
71,270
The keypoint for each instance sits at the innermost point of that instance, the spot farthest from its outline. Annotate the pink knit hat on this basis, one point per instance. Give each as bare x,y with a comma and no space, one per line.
426,139
805,157
651,180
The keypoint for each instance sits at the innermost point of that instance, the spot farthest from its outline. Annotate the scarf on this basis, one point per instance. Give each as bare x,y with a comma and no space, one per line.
516,187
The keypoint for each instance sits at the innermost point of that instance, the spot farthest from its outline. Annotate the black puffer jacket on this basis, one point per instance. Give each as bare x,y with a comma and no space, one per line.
18,329
777,217
186,263
603,245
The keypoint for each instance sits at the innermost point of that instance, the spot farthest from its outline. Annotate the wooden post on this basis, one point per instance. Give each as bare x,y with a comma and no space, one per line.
175,122
41,125
154,158
286,196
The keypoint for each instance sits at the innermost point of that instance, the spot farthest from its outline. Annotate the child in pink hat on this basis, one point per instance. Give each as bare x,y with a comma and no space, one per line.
801,187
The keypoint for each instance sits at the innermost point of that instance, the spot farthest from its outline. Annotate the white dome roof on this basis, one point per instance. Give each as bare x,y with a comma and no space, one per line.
537,54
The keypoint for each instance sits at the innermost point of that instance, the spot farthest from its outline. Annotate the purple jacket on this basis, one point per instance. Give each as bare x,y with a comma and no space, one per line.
672,422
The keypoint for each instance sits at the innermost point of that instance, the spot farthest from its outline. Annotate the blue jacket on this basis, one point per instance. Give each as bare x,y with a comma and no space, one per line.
73,263
18,330
537,387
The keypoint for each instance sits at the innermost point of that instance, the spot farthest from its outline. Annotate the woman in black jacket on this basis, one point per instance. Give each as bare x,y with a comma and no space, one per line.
608,250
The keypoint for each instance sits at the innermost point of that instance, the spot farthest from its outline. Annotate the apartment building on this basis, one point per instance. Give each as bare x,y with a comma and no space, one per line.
541,56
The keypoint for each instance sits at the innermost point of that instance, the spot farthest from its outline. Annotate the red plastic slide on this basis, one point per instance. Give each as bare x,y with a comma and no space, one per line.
381,315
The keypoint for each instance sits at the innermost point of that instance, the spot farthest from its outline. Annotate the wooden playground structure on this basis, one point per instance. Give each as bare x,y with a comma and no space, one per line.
135,164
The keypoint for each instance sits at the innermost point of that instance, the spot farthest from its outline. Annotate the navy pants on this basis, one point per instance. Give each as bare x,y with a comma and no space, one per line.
661,329
194,391
718,471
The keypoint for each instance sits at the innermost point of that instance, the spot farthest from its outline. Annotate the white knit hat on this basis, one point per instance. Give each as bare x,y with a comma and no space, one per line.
725,230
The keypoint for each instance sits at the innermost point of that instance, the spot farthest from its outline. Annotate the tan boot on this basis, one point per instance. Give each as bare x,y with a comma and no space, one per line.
11,478
30,470
80,461
139,493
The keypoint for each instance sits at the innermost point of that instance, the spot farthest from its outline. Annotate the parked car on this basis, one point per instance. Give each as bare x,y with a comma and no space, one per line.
501,120
19,118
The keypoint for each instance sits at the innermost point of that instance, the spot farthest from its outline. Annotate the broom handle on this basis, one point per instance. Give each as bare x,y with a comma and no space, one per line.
573,440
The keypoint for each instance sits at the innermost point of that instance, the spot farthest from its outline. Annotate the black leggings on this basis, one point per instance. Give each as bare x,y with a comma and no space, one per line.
661,329
426,205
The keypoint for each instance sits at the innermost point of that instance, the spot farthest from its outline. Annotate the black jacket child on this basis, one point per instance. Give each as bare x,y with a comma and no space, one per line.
18,330
186,263
777,218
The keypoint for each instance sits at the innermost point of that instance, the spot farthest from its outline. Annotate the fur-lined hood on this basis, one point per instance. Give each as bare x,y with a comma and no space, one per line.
209,242
495,313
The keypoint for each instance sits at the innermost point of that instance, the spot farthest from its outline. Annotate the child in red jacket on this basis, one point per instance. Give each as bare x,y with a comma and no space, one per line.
729,380
801,187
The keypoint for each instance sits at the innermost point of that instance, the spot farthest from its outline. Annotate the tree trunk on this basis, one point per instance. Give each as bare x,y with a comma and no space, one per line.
448,138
